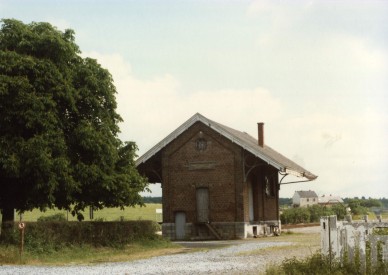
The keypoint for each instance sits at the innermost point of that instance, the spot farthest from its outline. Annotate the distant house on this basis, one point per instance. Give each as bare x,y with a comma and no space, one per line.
329,200
304,198
217,181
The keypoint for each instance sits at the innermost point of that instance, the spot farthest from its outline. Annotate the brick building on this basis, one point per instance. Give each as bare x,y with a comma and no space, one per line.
217,182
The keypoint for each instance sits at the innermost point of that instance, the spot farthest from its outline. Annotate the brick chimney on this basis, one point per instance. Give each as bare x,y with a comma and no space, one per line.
260,130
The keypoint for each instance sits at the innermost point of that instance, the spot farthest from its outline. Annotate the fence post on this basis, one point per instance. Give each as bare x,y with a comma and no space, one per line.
22,225
91,213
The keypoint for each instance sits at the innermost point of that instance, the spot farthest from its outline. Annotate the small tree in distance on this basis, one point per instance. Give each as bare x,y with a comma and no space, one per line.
59,144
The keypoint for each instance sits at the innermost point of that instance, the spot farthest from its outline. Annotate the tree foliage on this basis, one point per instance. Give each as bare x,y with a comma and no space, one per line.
312,213
59,142
285,201
384,202
149,199
295,215
361,206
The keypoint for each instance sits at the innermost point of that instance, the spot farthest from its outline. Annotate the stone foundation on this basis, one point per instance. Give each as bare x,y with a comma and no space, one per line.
226,230
267,228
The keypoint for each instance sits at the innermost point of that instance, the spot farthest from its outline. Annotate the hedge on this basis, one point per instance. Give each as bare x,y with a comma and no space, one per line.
57,234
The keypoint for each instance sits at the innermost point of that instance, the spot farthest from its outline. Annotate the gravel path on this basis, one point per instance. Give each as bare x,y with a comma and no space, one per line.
233,259
227,260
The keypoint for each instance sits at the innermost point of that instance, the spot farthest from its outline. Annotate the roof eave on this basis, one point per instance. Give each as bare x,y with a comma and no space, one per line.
306,175
164,142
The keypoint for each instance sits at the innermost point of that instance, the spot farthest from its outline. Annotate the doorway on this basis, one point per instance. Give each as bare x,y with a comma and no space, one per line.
250,202
202,205
180,222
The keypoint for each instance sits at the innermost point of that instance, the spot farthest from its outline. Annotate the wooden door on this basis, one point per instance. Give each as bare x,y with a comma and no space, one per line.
180,222
250,202
202,204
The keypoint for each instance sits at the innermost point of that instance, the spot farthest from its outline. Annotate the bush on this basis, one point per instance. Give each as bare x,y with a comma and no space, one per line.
317,211
311,214
359,210
320,264
44,236
339,210
295,215
360,207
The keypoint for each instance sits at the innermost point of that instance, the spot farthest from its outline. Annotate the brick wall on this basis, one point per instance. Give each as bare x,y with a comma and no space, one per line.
186,168
202,158
218,167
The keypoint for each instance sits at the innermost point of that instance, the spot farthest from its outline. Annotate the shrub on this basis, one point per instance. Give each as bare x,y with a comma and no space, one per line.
44,236
311,214
295,215
317,211
339,210
320,264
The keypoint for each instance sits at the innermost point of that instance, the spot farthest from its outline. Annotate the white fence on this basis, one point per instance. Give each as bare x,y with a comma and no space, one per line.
355,241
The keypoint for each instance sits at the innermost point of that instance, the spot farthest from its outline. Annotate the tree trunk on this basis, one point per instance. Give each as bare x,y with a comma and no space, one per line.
8,215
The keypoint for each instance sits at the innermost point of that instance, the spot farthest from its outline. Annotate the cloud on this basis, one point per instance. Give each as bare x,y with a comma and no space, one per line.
345,150
279,15
312,41
258,7
344,54
153,108
59,23
330,139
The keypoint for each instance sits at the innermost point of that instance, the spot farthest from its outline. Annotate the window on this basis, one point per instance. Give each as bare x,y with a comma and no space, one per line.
269,187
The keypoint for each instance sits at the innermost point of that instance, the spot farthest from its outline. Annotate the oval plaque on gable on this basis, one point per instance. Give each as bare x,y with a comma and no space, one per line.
201,144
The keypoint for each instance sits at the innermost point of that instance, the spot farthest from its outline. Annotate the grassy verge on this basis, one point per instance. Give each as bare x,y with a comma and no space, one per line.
371,216
322,265
301,245
87,254
303,257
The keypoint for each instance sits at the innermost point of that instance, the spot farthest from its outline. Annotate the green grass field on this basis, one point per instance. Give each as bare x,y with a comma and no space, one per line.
371,216
148,212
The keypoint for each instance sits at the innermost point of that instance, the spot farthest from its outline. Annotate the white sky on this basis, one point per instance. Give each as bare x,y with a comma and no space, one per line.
316,72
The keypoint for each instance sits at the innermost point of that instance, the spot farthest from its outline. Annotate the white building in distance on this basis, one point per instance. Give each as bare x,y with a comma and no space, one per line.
304,198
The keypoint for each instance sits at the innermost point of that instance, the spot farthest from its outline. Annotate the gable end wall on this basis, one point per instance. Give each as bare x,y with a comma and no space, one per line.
221,173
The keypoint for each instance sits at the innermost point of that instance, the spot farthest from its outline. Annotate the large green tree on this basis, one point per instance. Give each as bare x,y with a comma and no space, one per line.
59,144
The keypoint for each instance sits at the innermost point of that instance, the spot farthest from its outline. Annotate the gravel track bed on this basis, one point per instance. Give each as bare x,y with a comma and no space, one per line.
215,261
224,260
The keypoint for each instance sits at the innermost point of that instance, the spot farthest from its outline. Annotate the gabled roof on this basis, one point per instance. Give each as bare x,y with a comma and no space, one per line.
330,199
307,194
242,139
